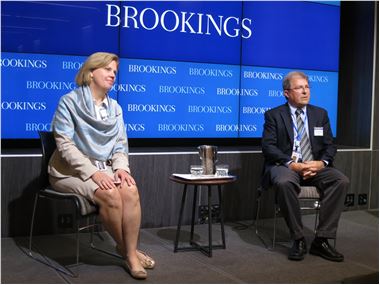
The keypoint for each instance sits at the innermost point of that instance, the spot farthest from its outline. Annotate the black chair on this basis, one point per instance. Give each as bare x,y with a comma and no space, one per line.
309,200
85,211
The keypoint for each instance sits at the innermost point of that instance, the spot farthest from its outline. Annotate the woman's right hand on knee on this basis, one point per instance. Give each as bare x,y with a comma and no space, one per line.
104,181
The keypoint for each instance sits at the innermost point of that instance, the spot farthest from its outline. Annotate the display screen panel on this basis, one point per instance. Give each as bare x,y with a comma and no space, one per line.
187,69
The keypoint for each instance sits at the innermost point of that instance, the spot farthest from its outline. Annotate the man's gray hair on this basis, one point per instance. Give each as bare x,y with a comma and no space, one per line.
290,75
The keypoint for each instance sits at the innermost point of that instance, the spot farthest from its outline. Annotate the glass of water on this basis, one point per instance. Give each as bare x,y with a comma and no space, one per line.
221,170
196,170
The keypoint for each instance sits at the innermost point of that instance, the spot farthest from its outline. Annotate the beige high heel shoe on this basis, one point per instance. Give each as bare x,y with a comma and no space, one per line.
137,274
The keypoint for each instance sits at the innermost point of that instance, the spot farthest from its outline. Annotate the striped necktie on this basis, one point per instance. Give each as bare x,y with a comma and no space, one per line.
305,143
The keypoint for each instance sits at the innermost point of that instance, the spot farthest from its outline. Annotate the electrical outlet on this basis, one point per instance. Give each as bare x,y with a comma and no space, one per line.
203,214
362,199
65,221
215,213
350,200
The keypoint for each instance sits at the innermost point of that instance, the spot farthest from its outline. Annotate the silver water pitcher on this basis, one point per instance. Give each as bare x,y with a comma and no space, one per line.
208,156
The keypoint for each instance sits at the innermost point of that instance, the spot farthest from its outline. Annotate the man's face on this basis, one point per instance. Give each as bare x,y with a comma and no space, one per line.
299,93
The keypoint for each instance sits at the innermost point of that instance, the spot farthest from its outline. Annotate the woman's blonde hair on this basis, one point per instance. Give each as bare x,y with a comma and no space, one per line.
94,61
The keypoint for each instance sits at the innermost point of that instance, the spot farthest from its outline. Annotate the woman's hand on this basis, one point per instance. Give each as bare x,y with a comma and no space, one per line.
103,180
122,176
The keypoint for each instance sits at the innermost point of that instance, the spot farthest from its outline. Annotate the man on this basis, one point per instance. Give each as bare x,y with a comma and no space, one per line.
299,150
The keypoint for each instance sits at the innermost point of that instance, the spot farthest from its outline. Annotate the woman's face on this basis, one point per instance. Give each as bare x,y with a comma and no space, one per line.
104,77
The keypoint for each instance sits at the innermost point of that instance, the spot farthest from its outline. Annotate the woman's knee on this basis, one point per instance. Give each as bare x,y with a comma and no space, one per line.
109,198
130,193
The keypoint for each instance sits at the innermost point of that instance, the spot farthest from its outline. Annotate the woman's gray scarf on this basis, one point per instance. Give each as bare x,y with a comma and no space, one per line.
75,118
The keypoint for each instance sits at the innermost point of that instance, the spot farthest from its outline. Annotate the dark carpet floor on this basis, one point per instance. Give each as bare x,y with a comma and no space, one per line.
245,260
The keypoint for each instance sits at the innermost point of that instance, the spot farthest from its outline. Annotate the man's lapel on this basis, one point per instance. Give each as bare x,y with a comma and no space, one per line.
287,118
312,122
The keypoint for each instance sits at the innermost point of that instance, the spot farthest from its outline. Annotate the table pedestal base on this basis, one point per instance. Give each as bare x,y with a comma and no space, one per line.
206,249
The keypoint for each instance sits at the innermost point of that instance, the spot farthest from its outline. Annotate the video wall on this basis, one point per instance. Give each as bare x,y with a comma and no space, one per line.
187,69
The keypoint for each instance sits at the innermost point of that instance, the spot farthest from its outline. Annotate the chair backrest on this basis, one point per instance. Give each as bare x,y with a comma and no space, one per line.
47,147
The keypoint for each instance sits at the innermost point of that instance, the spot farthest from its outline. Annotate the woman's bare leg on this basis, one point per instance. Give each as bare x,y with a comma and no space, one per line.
111,212
120,212
131,221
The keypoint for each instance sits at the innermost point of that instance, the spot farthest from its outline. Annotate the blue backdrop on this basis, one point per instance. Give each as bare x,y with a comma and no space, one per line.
188,69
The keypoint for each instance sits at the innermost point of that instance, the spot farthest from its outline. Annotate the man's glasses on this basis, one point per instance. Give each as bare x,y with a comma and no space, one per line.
300,88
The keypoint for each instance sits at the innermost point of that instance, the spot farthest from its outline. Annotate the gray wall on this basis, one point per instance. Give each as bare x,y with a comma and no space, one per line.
160,197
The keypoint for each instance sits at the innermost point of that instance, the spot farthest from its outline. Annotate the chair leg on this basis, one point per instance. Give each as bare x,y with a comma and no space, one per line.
274,227
45,259
316,221
77,238
276,210
258,201
257,215
92,243
258,234
32,223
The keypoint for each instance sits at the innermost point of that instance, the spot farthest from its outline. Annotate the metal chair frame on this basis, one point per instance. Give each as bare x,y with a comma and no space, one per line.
316,205
48,146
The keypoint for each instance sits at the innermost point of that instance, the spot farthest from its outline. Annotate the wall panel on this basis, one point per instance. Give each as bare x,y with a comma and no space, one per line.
160,197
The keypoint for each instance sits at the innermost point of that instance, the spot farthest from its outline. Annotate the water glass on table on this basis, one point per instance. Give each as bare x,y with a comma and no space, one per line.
221,170
196,170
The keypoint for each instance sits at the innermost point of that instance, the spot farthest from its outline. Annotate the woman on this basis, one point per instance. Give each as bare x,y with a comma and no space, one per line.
91,158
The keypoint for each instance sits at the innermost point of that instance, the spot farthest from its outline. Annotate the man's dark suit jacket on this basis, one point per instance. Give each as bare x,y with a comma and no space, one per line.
278,138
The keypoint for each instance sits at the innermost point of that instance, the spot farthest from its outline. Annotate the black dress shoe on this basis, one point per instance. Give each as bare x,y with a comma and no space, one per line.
298,250
322,248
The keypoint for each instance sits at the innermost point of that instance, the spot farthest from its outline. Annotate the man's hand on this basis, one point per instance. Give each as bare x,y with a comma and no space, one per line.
308,174
312,168
307,169
315,165
297,166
